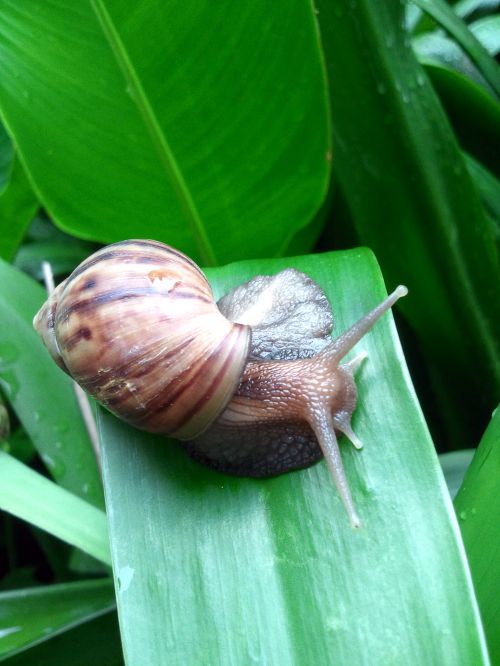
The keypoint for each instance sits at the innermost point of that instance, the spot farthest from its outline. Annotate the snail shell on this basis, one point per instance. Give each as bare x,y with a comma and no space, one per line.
136,326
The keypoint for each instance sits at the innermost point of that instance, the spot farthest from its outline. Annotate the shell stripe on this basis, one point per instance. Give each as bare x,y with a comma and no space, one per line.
212,389
126,370
158,245
186,379
113,295
157,255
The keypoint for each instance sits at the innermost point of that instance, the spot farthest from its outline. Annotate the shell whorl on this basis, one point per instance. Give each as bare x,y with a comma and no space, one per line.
136,325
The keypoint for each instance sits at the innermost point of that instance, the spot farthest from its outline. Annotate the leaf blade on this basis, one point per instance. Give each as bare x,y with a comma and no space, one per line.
428,230
35,615
248,149
478,506
157,135
448,19
31,497
50,417
277,556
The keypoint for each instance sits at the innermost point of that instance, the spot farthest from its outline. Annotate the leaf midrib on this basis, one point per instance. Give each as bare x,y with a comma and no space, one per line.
158,138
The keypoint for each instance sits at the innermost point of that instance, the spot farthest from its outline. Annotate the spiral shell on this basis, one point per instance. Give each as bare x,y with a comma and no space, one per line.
136,325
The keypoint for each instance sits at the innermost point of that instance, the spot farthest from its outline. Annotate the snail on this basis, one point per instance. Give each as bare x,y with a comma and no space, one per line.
252,385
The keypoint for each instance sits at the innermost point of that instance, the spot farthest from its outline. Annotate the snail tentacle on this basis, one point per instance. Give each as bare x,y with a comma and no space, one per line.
321,422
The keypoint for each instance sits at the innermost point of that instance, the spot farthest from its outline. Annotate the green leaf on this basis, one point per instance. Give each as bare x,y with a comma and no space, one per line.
19,445
32,616
225,570
30,496
489,190
63,256
414,204
434,48
6,156
487,31
468,9
478,508
18,206
40,393
448,19
221,116
94,642
464,100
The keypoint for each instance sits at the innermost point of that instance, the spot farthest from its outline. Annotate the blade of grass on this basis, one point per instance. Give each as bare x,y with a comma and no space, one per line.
94,642
30,496
35,615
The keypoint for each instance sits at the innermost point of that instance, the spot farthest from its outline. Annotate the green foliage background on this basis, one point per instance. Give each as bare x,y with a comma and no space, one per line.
259,136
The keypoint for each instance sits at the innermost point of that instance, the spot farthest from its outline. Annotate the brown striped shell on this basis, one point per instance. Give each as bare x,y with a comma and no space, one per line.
136,325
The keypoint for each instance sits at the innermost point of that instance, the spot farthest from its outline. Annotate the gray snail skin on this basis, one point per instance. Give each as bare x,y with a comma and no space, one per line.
252,385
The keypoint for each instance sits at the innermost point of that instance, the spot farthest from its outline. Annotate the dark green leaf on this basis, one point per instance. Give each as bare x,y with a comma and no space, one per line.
478,508
18,205
94,642
413,202
35,615
40,393
19,445
463,100
63,256
489,190
6,156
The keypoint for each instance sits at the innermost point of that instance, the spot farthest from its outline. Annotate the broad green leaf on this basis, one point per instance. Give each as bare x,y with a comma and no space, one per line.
414,204
478,508
448,19
32,616
40,393
32,497
201,124
18,206
94,642
213,569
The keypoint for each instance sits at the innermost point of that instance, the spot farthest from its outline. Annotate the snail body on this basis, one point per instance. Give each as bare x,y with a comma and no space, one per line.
255,386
